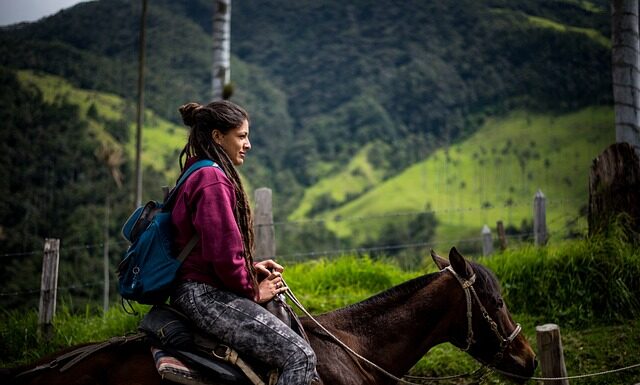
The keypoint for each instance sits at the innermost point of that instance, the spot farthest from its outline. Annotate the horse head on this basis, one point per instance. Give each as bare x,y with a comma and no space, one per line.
489,334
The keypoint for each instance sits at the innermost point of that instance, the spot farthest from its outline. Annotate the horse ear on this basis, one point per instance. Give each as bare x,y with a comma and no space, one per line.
439,261
459,264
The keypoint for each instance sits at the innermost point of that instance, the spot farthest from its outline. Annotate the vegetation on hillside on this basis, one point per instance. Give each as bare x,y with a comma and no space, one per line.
324,79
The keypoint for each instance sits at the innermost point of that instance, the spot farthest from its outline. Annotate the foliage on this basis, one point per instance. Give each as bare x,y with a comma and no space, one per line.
601,272
20,341
325,78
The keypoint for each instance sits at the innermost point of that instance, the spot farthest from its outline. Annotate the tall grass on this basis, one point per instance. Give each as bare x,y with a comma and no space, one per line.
574,283
323,285
20,341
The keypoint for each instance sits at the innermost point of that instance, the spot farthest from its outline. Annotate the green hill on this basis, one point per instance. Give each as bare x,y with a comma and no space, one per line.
493,175
162,140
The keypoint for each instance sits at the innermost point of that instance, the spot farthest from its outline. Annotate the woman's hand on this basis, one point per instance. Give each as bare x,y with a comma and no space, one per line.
270,287
267,266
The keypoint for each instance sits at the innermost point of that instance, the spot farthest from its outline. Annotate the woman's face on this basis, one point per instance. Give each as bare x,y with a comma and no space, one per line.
235,142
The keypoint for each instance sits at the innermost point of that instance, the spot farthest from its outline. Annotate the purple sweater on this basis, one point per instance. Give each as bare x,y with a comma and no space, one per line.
204,204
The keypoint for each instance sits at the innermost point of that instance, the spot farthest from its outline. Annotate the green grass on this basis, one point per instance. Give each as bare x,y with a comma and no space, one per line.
493,175
20,341
585,286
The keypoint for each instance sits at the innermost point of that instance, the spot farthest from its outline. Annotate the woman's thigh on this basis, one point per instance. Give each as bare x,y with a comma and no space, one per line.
243,324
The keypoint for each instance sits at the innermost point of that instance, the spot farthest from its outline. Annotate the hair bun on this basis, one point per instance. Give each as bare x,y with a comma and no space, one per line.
188,113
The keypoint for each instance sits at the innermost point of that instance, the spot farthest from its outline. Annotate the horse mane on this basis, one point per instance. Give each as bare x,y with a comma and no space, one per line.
398,293
485,278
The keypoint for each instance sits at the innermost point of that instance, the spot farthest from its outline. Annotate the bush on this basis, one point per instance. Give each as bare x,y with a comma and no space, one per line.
578,282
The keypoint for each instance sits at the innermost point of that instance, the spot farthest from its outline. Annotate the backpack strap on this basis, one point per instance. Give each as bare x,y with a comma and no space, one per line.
188,247
193,168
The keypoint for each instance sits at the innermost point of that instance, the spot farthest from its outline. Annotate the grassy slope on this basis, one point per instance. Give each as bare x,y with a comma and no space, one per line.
354,179
473,182
162,140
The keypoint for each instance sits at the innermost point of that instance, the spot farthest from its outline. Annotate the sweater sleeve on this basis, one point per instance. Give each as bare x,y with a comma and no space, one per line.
220,237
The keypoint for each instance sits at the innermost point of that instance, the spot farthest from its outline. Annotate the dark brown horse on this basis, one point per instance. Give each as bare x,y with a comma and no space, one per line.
461,304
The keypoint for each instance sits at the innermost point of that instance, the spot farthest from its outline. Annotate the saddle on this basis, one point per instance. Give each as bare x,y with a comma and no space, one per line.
185,355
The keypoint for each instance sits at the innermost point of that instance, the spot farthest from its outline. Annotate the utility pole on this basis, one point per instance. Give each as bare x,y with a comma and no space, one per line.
140,111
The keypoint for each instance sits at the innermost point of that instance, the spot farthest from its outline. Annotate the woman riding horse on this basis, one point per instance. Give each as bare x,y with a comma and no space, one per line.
460,304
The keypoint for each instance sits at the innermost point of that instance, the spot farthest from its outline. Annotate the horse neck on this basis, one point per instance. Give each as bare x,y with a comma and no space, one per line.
396,328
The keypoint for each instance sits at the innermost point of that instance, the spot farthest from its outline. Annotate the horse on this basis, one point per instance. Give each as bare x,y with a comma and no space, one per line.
380,338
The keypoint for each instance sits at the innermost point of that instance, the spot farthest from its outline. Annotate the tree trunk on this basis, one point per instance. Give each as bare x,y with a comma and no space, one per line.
625,60
221,72
614,188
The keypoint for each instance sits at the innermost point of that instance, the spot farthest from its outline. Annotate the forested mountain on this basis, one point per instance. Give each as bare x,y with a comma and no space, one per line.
323,78
361,88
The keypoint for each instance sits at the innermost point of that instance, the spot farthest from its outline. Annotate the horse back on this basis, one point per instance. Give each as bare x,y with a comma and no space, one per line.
128,364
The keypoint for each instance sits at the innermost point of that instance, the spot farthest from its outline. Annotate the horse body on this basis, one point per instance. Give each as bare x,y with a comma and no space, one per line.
393,330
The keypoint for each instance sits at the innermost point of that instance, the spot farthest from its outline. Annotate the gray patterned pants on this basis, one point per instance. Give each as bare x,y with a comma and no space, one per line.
248,328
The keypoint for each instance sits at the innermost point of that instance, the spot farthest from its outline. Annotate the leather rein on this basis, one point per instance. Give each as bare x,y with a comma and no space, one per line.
470,293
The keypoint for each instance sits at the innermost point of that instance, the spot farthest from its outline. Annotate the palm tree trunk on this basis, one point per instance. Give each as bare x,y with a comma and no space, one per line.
221,72
626,71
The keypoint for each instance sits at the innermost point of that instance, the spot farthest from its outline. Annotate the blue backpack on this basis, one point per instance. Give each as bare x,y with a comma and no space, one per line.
148,268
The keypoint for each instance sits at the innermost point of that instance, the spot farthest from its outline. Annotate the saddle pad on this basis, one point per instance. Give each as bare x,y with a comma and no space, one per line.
172,369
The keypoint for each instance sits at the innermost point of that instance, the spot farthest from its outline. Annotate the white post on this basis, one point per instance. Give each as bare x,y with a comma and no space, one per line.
625,68
221,48
265,238
539,219
487,241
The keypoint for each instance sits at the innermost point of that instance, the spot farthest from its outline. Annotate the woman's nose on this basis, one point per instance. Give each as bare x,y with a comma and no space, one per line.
247,145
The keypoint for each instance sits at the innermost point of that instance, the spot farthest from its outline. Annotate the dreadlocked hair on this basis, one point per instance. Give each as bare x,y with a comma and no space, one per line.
223,116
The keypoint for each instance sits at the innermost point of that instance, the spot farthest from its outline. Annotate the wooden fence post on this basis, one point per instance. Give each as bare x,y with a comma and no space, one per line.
105,259
48,287
265,238
539,219
502,237
550,354
487,241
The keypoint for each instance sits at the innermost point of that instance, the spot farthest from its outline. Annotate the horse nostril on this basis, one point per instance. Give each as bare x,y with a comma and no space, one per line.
535,363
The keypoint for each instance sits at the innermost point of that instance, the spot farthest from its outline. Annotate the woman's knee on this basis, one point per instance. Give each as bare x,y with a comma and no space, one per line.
303,356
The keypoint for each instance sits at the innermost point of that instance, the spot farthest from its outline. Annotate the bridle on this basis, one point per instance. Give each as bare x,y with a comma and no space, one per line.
467,286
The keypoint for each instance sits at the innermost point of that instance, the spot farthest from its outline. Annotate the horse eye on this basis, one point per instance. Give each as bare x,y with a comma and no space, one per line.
499,303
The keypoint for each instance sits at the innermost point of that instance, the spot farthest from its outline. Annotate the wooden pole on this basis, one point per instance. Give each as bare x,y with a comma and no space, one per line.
48,287
105,258
502,236
487,241
140,110
539,219
550,354
265,238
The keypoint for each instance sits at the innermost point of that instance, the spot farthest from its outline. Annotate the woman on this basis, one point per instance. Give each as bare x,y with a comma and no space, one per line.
220,287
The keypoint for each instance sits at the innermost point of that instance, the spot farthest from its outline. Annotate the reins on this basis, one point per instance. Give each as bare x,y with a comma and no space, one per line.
467,286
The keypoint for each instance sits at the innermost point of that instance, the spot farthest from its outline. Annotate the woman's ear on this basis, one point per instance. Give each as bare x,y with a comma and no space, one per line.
216,135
